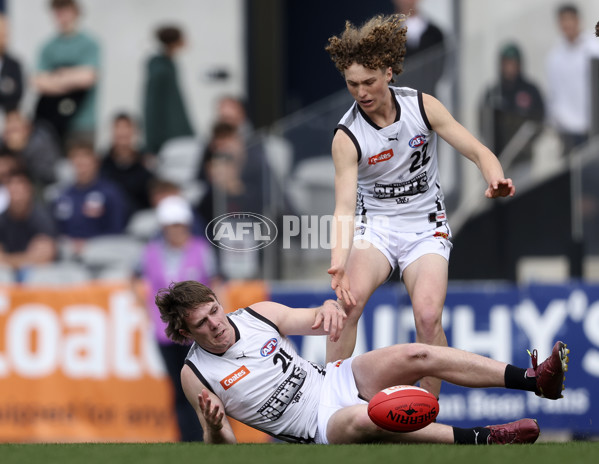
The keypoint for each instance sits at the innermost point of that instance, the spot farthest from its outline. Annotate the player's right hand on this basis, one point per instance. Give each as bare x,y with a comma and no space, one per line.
340,283
332,316
213,415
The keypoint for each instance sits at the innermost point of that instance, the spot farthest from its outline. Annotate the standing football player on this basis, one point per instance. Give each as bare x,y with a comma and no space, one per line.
386,173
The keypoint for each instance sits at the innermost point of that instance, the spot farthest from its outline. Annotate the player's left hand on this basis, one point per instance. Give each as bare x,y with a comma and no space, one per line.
212,413
500,188
333,317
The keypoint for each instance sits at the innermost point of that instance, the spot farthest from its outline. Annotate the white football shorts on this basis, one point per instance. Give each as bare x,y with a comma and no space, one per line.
339,390
403,248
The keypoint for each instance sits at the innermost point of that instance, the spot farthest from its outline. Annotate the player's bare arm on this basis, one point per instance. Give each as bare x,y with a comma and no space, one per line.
209,409
327,319
462,140
345,158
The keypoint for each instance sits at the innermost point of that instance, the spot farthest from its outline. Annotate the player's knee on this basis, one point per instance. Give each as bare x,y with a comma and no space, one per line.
428,323
361,429
353,426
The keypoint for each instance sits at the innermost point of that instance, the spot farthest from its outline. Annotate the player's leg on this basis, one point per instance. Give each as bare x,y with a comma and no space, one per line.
426,282
367,268
352,425
406,364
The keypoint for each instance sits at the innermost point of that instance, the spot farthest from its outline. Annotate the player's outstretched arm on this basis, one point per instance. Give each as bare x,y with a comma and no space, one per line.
209,408
328,319
345,159
462,140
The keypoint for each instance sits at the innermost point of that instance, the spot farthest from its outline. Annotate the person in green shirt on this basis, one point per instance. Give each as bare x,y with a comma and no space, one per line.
67,76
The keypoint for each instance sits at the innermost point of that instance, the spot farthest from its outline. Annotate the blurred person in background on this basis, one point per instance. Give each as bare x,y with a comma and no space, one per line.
160,189
568,77
389,205
232,174
425,48
510,103
91,206
34,144
165,114
176,255
228,191
67,76
27,230
8,164
11,74
123,163
231,110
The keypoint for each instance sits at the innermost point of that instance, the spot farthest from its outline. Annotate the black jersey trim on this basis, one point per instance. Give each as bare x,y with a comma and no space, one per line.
199,375
353,139
262,318
397,106
422,112
287,438
397,111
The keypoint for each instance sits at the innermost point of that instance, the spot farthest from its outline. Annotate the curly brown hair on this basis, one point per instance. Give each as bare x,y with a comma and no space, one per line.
175,303
379,43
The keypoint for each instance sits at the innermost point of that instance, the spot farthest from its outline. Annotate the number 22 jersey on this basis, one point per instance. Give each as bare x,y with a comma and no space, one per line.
397,165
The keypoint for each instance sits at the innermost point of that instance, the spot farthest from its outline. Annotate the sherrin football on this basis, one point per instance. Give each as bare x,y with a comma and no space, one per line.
403,408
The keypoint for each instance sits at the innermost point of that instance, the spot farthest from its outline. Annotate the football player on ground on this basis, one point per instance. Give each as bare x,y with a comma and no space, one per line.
242,365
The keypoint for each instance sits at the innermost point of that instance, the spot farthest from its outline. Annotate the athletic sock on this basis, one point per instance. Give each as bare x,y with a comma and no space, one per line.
473,436
515,378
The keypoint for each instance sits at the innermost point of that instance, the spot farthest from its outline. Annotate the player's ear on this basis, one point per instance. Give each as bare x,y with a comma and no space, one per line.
389,74
185,333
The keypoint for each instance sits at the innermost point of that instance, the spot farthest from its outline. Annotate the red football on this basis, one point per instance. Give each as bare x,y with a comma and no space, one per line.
403,408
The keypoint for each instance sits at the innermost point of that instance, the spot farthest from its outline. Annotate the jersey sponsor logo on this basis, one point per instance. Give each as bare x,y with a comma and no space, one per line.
383,156
338,363
439,234
417,141
414,186
235,377
269,347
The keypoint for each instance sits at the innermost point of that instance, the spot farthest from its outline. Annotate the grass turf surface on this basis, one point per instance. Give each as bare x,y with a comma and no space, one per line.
122,453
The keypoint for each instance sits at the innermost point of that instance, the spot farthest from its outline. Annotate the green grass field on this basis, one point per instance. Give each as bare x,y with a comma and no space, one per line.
179,453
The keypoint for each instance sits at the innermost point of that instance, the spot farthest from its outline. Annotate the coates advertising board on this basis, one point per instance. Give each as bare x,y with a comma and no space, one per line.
499,321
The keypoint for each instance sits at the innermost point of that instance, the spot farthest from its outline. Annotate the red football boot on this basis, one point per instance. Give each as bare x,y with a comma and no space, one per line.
550,373
520,431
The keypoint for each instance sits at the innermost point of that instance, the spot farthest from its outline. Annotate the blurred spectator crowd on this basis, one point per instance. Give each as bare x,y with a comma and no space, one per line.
72,211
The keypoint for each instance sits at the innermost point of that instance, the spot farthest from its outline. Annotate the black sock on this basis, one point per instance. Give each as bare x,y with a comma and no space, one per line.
474,436
515,378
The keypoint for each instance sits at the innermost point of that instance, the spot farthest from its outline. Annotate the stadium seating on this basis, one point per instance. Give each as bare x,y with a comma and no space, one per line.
143,224
110,252
312,186
57,274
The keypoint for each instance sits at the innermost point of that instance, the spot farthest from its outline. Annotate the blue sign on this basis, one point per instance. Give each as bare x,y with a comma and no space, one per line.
495,320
